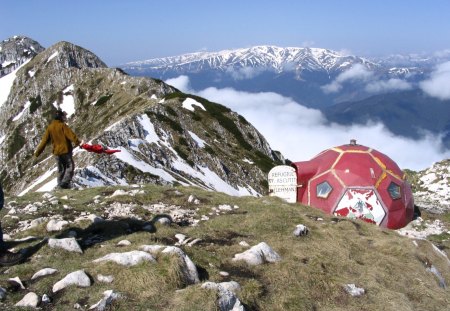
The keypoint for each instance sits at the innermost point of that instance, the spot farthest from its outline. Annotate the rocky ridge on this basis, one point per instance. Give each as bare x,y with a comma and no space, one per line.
165,136
15,52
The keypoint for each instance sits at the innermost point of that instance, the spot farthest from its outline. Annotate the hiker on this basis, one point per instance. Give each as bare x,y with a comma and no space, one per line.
61,137
7,258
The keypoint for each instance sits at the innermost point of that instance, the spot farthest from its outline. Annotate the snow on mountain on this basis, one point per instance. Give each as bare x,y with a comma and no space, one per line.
269,57
433,193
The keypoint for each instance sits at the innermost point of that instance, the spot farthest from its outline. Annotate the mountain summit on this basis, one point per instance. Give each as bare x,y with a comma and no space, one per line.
165,136
15,51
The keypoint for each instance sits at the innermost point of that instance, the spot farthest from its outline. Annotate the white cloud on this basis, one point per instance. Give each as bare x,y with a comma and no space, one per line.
181,83
356,72
300,133
386,86
439,83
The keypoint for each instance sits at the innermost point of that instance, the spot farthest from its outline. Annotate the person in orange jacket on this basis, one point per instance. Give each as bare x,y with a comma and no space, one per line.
61,137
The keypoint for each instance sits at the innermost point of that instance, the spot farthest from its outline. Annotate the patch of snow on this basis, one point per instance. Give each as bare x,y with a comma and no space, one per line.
150,134
420,229
200,142
127,157
7,63
38,181
99,180
248,161
189,104
109,128
134,144
49,186
2,139
68,104
7,82
20,114
52,56
31,73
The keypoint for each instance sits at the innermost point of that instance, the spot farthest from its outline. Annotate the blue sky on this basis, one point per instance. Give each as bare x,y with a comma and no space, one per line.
120,31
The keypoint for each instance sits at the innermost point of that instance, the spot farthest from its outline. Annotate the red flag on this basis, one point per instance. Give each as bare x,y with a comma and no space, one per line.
98,149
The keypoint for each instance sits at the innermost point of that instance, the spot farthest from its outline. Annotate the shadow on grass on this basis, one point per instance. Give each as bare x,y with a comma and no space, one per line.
104,230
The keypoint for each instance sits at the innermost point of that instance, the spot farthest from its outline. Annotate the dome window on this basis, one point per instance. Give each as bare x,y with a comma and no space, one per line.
323,190
394,191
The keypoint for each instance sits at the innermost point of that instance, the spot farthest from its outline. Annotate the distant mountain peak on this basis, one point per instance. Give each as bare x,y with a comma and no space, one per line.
15,51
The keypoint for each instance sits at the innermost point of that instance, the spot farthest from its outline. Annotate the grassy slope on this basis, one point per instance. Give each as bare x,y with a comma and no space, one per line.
310,276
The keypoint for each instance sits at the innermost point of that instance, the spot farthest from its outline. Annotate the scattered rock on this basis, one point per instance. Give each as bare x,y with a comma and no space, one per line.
124,243
44,272
438,275
301,230
56,225
127,259
193,199
46,299
353,290
180,237
17,281
105,278
2,293
152,249
69,244
108,297
78,278
189,270
224,273
258,255
29,300
228,300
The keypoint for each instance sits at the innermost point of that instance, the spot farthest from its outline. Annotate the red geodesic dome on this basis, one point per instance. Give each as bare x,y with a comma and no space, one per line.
357,182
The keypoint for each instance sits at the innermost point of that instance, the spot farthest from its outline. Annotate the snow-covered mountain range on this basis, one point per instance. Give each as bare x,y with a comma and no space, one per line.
269,57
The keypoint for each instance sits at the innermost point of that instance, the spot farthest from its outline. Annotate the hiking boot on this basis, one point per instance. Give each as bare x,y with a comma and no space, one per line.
8,258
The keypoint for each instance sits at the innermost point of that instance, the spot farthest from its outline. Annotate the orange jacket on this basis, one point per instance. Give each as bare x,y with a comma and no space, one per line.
61,137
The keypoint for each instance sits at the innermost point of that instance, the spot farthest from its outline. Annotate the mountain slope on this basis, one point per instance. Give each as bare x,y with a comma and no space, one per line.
16,51
165,136
406,113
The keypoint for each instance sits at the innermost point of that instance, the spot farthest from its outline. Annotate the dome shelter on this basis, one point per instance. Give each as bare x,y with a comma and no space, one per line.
357,182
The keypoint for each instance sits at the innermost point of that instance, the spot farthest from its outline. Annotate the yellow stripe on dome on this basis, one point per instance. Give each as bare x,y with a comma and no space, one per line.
382,177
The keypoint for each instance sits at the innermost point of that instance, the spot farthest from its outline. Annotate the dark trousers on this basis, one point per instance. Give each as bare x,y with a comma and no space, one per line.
2,201
66,167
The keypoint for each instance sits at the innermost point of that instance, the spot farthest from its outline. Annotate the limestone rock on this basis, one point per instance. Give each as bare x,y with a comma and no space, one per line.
69,244
29,300
127,259
43,272
258,255
78,278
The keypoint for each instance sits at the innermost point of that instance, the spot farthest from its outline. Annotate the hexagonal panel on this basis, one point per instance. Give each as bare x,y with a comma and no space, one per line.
323,190
358,169
361,203
394,191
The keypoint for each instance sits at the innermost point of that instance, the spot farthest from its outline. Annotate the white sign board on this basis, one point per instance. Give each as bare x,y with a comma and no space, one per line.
283,183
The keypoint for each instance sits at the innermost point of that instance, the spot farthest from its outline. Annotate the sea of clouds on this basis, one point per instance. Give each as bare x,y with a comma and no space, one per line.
300,133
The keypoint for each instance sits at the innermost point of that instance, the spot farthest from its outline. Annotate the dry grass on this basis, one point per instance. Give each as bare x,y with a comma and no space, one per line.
311,275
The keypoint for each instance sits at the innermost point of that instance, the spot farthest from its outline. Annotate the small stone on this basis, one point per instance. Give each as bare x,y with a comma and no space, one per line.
353,290
29,300
124,243
224,273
